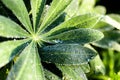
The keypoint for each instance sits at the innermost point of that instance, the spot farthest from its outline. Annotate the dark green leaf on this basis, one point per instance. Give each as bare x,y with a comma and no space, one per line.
27,66
19,9
37,9
57,7
82,21
9,49
67,54
72,72
77,36
8,28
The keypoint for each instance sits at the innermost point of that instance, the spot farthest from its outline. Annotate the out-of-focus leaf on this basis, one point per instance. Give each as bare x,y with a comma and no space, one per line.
86,6
57,7
67,54
72,72
50,76
85,67
82,21
107,44
19,9
111,21
72,9
97,65
9,49
8,28
37,9
115,16
77,36
100,9
27,66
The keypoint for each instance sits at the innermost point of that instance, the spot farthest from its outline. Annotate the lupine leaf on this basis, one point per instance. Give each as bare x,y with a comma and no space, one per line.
115,16
86,6
72,9
97,65
37,9
19,9
82,21
50,76
100,9
80,35
111,21
27,66
67,54
8,28
57,7
72,72
9,49
85,67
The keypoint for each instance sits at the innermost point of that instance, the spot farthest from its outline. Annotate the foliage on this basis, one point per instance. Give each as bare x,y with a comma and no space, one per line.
58,35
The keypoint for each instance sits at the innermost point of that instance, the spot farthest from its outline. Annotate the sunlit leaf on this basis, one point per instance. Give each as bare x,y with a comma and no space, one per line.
37,9
111,21
27,66
8,28
72,72
9,49
67,54
77,36
19,9
86,6
82,21
57,7
100,9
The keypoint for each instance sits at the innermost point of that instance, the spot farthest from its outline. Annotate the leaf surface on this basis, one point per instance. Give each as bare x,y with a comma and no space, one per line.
82,21
37,9
57,7
81,36
9,49
8,28
27,66
72,72
67,54
19,9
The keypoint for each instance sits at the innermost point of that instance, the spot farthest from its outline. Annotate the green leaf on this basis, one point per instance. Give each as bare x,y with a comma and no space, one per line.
50,76
111,21
8,28
57,7
37,9
72,9
77,36
19,9
107,44
115,16
67,54
27,66
72,72
9,49
82,21
100,9
85,68
86,6
97,65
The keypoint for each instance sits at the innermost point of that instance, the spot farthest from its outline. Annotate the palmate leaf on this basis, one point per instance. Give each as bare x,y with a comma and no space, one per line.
19,9
8,28
72,72
67,54
9,49
82,21
55,10
37,9
80,35
27,66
